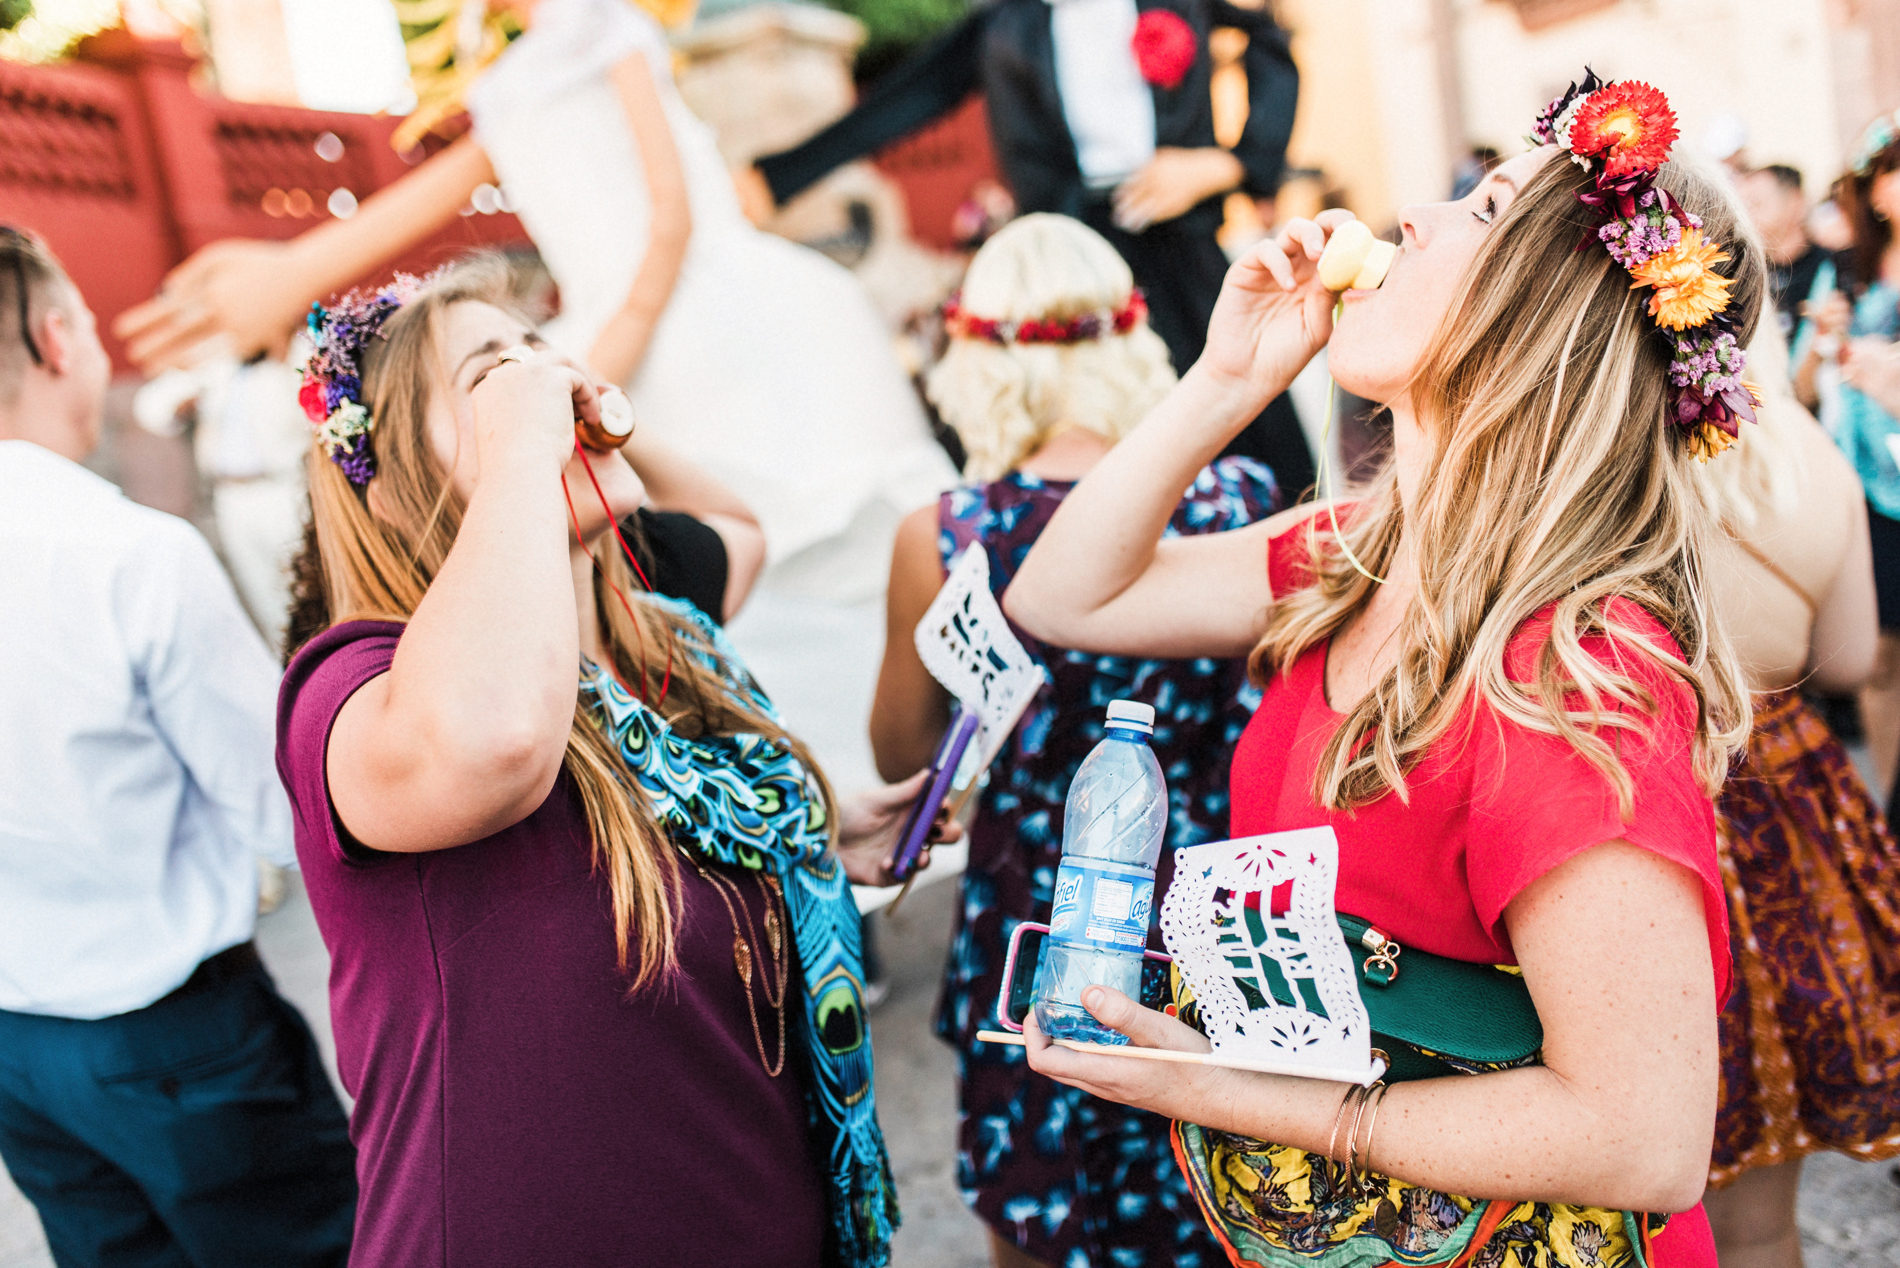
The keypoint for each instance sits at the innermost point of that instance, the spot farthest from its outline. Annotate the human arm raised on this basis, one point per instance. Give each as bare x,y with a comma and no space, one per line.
1615,950
1101,577
622,343
255,293
466,733
925,86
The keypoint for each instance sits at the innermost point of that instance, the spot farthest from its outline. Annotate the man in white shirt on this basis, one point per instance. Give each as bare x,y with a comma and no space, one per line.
160,1103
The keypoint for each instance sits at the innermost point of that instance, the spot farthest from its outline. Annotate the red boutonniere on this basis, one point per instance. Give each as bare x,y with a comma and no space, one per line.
1165,47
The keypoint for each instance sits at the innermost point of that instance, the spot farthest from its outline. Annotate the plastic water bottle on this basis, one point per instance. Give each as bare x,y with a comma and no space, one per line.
1112,829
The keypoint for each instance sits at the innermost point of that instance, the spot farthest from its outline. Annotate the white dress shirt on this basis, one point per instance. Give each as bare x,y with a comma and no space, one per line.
1109,107
136,747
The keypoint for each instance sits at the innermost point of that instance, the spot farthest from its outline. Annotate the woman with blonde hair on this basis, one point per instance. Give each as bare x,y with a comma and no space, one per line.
1051,362
1810,1039
1498,678
596,977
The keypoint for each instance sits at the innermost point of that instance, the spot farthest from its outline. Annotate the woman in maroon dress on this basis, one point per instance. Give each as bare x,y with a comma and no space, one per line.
1497,678
595,975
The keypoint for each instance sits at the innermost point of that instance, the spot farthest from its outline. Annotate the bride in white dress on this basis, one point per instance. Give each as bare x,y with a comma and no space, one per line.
760,359
769,365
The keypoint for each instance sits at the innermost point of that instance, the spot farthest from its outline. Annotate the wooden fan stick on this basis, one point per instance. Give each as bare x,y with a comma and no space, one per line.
1363,1078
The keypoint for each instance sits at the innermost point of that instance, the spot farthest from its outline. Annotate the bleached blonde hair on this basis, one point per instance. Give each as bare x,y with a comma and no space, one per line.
1557,477
1006,400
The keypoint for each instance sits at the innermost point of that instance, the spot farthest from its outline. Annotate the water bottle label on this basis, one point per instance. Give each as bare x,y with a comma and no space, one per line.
1101,903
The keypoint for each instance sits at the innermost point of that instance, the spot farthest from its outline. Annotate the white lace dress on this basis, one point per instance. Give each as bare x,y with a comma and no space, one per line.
769,367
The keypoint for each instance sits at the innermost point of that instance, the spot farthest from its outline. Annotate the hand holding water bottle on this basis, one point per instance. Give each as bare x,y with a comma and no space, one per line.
1113,825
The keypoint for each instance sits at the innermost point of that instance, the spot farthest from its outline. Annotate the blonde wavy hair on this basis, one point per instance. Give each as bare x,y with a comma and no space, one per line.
359,564
1556,477
1006,400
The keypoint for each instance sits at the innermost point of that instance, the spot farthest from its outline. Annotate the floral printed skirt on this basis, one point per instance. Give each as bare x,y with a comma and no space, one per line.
1277,1206
1811,1035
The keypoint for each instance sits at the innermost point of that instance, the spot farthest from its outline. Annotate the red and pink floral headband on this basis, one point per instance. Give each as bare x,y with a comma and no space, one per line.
1622,134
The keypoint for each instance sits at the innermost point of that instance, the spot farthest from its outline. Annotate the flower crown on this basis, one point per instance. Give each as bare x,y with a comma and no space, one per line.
1079,329
332,391
1622,133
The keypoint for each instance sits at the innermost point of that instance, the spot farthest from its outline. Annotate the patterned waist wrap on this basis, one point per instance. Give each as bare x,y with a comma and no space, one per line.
1276,1206
742,801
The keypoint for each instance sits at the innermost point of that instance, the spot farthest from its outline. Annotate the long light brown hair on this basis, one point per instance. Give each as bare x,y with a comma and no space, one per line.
359,564
1555,476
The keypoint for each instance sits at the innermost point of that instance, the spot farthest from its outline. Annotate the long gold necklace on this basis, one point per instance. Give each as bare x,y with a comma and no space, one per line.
775,973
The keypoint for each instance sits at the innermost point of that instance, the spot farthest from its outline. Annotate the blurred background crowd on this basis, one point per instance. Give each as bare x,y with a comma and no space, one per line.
134,133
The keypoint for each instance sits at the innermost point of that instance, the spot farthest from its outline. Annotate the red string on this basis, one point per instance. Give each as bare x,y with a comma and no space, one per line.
666,680
614,523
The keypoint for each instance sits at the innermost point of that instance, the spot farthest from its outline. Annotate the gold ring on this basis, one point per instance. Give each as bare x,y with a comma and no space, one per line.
520,352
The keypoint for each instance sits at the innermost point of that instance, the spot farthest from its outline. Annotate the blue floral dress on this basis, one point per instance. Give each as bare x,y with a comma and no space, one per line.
1078,1182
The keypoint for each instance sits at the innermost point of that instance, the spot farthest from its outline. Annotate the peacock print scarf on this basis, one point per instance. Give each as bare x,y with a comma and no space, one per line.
742,801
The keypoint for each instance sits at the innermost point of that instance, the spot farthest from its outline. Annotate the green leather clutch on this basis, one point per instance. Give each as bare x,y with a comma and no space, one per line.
1434,1016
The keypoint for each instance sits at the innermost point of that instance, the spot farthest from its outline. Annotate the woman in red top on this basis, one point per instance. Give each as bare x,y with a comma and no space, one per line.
1511,701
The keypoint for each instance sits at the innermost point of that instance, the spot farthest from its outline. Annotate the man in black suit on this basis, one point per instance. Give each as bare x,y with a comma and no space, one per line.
1081,128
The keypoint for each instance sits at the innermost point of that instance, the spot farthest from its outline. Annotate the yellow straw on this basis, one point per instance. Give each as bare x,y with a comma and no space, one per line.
1332,495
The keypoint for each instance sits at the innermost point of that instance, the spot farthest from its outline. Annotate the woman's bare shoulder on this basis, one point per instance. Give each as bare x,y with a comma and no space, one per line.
1831,478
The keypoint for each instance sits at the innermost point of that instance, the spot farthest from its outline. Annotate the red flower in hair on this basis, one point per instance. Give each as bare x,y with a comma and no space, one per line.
1165,47
1628,125
310,396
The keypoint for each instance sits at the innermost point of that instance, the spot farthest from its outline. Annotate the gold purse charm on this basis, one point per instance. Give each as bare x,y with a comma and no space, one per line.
1382,966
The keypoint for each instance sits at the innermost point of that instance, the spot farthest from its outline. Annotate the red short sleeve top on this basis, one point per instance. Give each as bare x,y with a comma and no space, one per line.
1493,806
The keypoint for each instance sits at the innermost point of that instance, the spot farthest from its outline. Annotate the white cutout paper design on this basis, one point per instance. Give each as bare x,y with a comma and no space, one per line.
1249,918
966,644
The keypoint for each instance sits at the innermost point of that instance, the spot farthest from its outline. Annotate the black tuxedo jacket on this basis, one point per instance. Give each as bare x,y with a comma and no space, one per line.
1006,49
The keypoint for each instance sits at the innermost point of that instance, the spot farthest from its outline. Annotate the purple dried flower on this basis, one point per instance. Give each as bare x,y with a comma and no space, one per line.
1651,230
341,388
1706,373
341,333
357,463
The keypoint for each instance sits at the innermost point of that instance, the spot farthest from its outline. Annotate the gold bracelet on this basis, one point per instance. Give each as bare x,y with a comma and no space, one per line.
1376,1096
1352,1140
1332,1141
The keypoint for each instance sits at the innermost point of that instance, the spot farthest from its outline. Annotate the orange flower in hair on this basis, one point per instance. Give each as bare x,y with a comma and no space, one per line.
1628,125
1688,289
1621,134
1708,440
